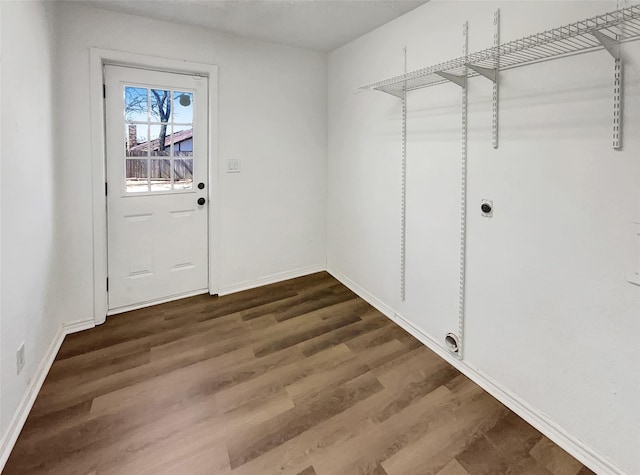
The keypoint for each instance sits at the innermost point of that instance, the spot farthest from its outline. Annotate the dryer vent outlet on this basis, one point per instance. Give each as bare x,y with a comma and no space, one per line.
453,345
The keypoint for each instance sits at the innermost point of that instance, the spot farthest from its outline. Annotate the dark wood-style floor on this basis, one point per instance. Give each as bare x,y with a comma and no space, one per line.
299,377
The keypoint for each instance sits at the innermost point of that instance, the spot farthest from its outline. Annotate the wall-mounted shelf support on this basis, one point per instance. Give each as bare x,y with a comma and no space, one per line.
496,82
403,198
399,94
459,80
463,198
617,104
489,73
611,45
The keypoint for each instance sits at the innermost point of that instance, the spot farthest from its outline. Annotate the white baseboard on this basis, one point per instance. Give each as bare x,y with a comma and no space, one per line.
271,279
585,454
77,326
22,412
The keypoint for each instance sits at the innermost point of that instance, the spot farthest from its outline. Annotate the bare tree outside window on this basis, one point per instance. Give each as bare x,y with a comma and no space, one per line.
158,103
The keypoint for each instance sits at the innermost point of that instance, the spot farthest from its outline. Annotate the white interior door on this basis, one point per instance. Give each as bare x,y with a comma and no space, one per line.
156,135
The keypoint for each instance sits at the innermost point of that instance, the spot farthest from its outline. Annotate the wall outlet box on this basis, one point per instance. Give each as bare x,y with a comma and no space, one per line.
20,358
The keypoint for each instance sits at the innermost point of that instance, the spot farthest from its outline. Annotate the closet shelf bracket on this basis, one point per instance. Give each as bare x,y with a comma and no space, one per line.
611,45
489,73
459,80
400,94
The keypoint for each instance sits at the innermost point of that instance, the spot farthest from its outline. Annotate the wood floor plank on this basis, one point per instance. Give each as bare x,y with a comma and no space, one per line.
366,450
369,321
308,471
278,378
317,381
453,468
374,338
39,428
513,440
64,376
197,444
194,453
554,459
482,458
167,388
385,439
354,422
304,302
296,378
319,407
315,323
312,303
103,352
204,460
262,322
447,437
316,291
298,453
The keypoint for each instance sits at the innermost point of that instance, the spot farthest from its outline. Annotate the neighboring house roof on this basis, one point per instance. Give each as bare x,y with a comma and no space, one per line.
177,137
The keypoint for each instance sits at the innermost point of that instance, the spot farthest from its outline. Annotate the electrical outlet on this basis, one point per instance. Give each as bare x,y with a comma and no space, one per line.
20,358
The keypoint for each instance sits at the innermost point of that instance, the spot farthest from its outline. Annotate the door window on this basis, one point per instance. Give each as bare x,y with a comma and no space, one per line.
158,139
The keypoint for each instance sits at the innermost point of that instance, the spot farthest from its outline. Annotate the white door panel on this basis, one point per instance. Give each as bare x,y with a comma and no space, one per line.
157,231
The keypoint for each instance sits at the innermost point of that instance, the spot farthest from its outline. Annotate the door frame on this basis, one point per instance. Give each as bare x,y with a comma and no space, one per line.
98,58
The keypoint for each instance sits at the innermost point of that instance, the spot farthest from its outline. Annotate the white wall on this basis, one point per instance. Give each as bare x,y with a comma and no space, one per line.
29,215
272,116
550,316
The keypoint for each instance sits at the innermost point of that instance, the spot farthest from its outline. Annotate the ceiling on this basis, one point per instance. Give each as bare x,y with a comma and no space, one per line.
321,25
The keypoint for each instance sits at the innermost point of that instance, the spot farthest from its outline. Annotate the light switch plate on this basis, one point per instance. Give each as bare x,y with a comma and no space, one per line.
233,166
634,274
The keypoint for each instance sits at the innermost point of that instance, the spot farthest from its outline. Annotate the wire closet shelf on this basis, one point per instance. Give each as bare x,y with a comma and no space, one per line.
604,31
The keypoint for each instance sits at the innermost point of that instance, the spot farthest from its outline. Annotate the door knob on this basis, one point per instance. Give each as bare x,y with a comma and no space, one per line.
201,201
